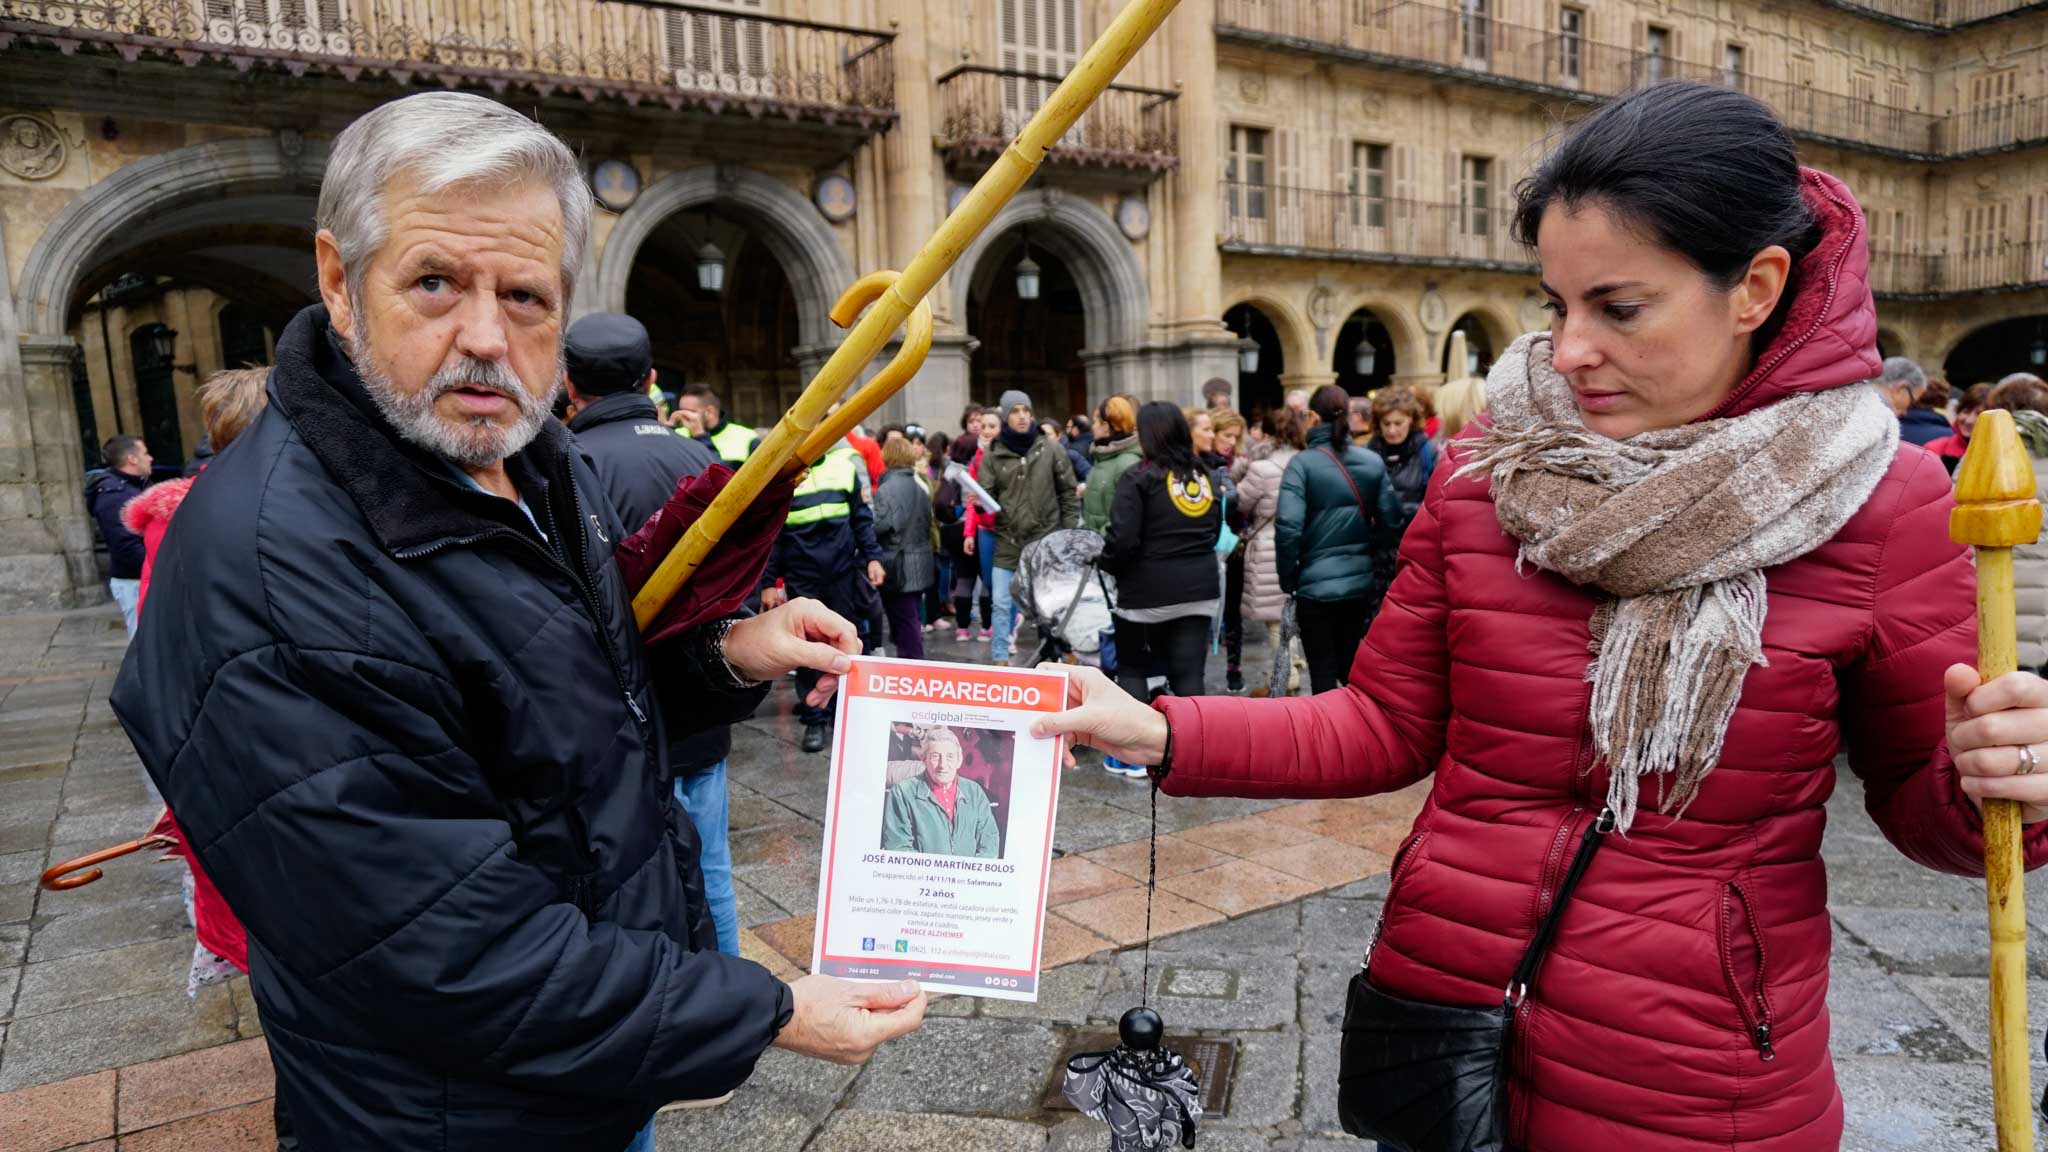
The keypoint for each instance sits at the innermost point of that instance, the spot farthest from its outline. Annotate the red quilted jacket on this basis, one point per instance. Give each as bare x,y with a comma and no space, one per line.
1688,936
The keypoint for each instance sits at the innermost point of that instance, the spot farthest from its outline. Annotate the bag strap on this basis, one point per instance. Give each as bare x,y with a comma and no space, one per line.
1346,473
1080,589
1518,986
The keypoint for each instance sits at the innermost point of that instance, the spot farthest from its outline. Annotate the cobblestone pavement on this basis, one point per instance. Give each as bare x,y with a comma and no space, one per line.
97,1035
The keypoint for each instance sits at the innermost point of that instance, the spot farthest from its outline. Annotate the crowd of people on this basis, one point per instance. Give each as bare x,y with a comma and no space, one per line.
390,653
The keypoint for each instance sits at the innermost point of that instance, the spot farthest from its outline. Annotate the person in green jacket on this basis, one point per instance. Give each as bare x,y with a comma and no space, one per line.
1031,477
937,812
1115,451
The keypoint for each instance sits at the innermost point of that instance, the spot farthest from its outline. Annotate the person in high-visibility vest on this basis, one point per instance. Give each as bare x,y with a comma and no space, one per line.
827,551
731,443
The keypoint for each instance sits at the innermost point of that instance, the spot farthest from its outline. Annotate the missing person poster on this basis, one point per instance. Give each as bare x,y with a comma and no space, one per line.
938,827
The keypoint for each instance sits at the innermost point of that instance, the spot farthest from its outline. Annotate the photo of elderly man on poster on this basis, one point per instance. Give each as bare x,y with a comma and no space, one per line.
938,811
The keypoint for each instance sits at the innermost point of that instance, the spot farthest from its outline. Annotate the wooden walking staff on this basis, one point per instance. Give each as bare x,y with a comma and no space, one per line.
1996,509
797,439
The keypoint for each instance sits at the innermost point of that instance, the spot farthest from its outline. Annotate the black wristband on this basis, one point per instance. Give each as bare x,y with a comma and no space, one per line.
1165,764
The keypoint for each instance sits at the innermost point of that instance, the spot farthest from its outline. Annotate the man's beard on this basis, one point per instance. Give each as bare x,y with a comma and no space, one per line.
474,442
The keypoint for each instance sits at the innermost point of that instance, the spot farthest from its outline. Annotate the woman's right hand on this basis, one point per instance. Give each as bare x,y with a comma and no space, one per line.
1102,715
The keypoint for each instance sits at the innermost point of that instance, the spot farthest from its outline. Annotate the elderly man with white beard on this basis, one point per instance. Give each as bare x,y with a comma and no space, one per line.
391,685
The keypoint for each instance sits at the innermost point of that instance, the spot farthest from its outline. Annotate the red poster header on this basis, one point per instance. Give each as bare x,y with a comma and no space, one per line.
958,684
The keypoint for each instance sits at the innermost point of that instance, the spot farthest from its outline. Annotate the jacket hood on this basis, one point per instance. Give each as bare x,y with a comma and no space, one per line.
1829,336
1104,449
155,504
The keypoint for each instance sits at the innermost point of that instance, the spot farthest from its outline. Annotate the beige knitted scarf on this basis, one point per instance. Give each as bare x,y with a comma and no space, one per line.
1675,526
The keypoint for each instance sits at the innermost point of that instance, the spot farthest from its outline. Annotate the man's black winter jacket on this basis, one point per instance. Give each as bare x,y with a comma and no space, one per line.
415,745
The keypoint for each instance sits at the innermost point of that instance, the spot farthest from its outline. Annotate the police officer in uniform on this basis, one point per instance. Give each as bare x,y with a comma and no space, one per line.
827,551
730,442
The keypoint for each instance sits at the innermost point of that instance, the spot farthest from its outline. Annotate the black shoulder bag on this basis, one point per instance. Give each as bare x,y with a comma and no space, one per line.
1433,1077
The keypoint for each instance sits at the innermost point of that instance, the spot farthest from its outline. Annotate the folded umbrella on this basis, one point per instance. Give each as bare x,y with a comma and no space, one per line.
730,571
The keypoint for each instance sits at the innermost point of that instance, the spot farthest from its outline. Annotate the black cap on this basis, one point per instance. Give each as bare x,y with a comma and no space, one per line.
606,352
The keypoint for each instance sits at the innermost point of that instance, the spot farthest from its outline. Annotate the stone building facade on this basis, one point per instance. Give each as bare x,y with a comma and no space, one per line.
1280,192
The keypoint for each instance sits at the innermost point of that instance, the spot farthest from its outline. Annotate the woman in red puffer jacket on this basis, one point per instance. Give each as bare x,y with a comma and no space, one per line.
1685,564
228,402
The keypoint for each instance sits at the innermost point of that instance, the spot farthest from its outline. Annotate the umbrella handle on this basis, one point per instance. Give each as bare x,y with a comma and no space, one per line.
59,877
917,344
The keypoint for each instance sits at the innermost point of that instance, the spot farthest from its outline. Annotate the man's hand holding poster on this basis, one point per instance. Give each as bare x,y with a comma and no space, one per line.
938,827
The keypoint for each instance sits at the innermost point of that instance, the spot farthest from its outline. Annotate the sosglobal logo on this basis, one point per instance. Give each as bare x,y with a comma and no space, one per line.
952,691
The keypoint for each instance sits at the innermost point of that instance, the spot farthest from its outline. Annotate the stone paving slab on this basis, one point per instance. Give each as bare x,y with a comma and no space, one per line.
977,1067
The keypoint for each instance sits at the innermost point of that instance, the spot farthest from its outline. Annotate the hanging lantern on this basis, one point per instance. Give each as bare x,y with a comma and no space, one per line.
163,342
710,268
1027,276
2039,353
1368,357
1248,356
1471,362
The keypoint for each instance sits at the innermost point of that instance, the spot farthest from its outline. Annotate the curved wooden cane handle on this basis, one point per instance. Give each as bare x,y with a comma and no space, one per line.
917,344
84,870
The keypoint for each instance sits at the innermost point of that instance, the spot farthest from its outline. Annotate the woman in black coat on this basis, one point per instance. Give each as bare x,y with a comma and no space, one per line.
1161,547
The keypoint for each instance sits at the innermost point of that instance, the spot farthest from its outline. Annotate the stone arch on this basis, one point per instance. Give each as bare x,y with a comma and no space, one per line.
1297,335
1499,325
798,237
1411,344
1093,248
104,219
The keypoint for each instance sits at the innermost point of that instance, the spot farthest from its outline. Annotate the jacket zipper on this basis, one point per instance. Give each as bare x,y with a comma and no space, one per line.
1757,1024
1401,862
1546,887
582,885
1763,371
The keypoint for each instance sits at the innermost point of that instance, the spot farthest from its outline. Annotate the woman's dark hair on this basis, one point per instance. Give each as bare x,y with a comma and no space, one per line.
1704,171
1331,404
1975,398
968,413
2020,390
963,449
1164,439
936,444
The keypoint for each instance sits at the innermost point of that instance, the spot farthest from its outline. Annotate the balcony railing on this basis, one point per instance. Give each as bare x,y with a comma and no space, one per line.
2002,266
1993,128
981,109
640,50
1311,222
1450,41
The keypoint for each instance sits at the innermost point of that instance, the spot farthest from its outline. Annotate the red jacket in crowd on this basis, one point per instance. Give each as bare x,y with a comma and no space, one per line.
1690,934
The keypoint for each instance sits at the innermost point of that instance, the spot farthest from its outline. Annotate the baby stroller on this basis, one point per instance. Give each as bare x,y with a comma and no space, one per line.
1062,588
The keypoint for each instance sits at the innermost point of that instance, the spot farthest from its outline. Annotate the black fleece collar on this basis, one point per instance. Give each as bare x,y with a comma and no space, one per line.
407,495
613,409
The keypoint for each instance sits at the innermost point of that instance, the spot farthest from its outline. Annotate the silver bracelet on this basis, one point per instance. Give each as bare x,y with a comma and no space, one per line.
715,647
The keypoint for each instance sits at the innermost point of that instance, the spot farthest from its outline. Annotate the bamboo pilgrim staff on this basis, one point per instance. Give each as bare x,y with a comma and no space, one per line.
1996,509
799,438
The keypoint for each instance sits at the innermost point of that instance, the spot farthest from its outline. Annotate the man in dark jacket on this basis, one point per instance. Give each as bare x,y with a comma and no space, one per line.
1029,475
827,550
1903,382
127,474
390,683
608,366
1334,536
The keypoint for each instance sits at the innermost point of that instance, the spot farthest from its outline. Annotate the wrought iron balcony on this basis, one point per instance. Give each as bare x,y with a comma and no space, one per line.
1274,220
1993,267
981,110
714,59
1444,41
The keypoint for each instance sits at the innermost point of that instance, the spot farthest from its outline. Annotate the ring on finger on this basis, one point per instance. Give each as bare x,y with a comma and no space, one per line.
2028,761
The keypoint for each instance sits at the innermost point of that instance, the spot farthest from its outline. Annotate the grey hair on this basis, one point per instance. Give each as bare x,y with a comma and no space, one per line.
441,140
1899,372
